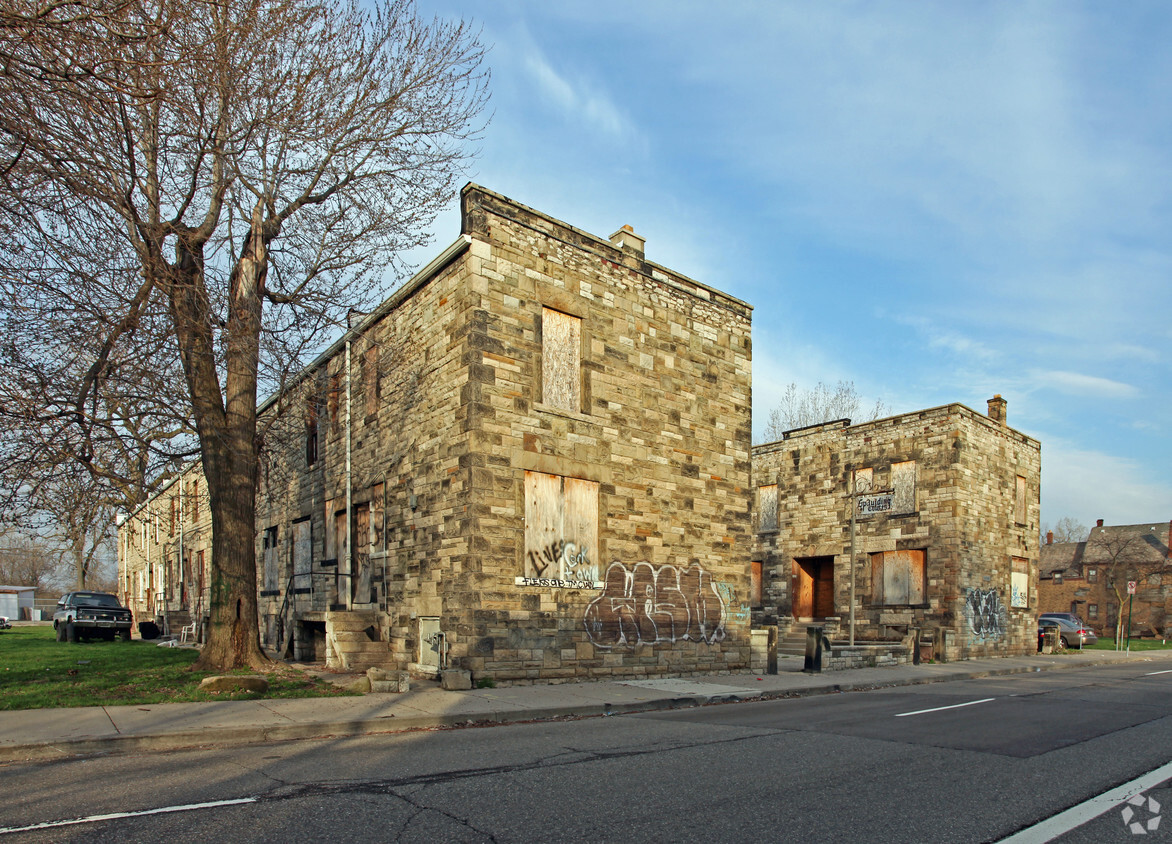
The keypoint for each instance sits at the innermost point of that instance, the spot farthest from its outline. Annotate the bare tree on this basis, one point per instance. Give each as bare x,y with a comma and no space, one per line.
28,561
1124,553
217,188
1066,529
799,408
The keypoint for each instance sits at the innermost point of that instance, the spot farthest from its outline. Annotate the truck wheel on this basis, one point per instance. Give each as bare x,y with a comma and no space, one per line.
70,632
124,635
60,632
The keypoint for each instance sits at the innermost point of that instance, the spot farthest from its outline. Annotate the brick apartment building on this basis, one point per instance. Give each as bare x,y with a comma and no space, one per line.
1081,577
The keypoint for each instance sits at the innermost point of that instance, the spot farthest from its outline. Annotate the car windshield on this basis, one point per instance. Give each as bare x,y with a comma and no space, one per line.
96,599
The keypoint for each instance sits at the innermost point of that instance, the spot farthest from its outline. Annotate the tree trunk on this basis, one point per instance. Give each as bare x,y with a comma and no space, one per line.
234,635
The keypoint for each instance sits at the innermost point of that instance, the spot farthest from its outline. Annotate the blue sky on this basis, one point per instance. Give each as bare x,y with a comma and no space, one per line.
936,201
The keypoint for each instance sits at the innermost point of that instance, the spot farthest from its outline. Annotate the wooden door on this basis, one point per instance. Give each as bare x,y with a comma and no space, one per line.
824,588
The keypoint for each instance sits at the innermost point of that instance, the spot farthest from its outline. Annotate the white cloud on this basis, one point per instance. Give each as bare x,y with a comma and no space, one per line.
1079,384
576,101
1089,485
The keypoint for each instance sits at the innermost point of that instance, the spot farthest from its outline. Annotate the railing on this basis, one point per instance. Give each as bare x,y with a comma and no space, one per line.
282,643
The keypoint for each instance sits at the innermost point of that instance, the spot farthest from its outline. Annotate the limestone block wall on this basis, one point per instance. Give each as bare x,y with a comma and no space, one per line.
164,552
661,430
960,515
448,423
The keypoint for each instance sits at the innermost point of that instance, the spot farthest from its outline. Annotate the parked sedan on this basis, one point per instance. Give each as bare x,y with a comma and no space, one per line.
81,615
1073,631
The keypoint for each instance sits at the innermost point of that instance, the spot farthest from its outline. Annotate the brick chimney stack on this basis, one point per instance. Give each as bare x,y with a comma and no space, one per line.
1099,523
1049,537
997,409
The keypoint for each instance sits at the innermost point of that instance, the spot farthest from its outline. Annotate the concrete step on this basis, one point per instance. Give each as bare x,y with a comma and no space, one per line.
350,621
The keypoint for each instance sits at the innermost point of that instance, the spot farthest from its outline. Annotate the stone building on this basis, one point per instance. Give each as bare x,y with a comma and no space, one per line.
1089,578
944,534
164,554
531,462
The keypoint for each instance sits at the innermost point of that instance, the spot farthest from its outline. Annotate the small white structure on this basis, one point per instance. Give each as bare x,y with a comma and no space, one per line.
14,600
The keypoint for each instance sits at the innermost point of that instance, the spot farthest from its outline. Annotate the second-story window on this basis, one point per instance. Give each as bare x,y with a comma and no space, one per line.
561,360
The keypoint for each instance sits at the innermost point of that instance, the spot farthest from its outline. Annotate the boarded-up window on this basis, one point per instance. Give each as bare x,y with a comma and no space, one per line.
1019,582
195,499
310,433
561,359
271,574
333,397
331,546
370,379
903,487
302,551
898,577
377,524
341,543
767,504
1019,501
756,571
864,481
561,527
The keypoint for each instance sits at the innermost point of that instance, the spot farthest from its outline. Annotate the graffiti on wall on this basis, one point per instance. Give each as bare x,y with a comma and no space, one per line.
987,616
563,559
649,606
734,612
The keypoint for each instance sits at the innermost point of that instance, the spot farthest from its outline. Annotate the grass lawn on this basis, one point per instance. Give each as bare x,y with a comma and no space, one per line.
1108,644
38,672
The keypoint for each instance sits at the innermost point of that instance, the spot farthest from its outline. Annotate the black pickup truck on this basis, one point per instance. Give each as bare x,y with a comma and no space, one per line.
84,615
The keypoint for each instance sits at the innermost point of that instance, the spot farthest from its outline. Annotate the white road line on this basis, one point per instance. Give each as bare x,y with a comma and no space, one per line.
117,815
1152,673
942,708
1076,816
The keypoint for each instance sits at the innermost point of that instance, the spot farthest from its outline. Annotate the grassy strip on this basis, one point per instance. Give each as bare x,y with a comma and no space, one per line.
38,672
1107,644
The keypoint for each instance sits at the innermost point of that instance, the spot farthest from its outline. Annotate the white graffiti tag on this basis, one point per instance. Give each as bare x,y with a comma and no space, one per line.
653,606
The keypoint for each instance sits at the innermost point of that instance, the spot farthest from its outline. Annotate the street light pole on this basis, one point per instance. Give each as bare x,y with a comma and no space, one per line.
851,562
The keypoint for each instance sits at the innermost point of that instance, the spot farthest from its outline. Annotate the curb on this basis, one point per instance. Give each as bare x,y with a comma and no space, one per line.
124,744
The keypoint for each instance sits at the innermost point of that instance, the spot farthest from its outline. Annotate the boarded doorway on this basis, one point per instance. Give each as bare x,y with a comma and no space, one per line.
813,587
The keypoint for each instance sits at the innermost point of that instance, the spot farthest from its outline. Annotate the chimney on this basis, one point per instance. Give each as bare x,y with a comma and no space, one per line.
1049,537
997,409
626,239
1099,523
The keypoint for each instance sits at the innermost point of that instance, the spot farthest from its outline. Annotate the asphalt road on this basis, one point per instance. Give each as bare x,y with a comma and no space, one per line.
976,760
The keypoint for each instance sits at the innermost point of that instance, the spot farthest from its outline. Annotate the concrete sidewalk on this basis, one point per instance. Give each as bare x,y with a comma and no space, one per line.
59,733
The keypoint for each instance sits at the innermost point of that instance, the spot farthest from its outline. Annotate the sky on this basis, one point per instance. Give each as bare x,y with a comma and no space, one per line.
938,202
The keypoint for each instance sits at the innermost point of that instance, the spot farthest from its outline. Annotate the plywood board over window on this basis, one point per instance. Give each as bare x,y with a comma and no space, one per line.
1019,583
377,523
1019,501
897,577
302,551
271,574
903,487
561,360
767,507
561,527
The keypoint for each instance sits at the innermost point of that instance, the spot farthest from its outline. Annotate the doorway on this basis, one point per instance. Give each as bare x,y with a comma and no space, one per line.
813,587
